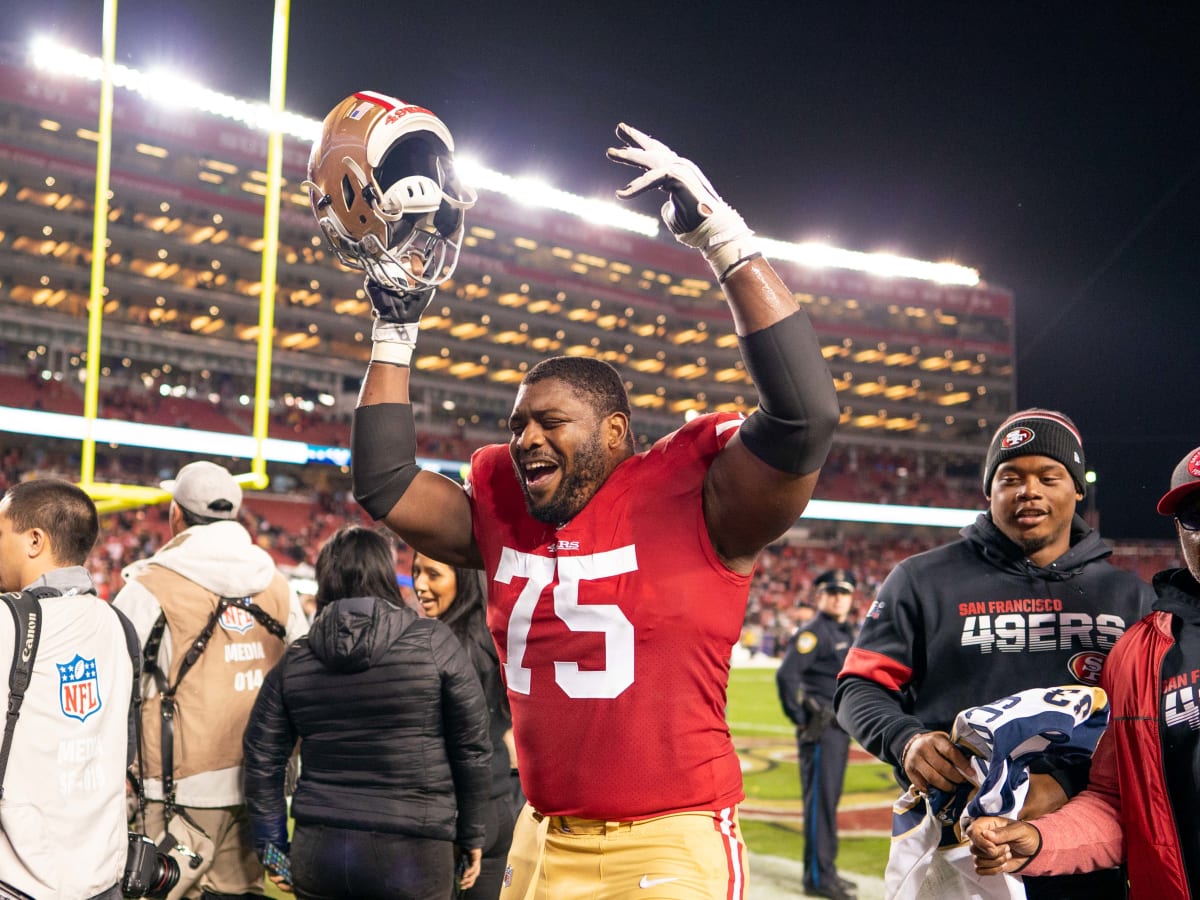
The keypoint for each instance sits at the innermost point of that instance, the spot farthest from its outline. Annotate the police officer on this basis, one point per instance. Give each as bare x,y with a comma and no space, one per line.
806,681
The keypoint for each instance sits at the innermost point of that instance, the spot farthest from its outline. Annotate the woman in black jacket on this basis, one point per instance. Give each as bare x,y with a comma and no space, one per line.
394,747
455,597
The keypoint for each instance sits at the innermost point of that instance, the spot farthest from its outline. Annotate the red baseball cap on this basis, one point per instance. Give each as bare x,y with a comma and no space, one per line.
1185,481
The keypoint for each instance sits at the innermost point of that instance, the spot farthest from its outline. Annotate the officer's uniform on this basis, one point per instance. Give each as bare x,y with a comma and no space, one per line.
806,681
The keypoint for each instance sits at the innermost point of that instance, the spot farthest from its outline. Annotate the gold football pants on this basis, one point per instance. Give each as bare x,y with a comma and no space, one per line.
684,856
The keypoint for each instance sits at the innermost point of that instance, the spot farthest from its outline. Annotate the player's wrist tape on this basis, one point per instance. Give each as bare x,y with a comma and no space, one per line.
733,267
383,446
724,239
393,342
393,354
724,258
792,429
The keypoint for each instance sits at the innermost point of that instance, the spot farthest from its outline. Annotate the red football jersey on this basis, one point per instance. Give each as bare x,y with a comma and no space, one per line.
614,633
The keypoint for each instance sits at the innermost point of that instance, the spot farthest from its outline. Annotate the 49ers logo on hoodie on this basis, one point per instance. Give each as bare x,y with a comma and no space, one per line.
78,688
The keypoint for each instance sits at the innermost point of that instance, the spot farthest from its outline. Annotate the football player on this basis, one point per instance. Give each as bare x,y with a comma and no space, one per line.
617,581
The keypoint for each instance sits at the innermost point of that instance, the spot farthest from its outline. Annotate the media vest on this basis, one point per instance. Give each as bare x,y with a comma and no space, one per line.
214,699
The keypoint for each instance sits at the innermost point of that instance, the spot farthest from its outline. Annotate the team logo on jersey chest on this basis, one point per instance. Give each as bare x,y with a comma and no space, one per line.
78,688
234,618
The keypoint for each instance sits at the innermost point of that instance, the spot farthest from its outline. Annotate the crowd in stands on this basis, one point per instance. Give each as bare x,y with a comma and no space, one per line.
856,473
782,590
305,506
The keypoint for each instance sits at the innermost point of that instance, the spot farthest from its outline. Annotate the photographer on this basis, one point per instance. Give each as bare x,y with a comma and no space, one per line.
62,816
212,614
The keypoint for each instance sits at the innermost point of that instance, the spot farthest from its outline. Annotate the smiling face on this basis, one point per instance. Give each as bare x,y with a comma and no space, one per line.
562,449
1033,501
435,584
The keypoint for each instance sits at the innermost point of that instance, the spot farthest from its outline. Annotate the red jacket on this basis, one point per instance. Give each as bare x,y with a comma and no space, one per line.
1125,811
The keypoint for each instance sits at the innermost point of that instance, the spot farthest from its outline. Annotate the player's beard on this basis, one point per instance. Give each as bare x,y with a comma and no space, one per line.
577,485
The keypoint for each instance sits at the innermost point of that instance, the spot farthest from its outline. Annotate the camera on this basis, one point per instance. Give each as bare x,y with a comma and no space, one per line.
148,873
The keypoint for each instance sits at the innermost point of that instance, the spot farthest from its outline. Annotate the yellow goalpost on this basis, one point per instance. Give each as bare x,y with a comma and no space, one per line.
111,497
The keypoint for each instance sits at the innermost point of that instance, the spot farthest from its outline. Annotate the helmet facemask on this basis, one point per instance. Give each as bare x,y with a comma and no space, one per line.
400,220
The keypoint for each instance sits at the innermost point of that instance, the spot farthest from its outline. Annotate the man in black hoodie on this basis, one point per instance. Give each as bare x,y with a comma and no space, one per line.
1026,598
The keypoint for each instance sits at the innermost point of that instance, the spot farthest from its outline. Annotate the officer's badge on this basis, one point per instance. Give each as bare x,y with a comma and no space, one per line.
234,618
78,688
806,642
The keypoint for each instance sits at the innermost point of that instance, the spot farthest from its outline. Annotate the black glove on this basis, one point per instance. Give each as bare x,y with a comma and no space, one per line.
397,317
400,308
819,716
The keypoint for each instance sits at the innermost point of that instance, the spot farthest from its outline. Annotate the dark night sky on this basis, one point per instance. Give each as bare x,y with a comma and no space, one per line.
1053,146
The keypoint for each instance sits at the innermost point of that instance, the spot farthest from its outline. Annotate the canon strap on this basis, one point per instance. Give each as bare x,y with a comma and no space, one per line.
27,617
167,690
27,620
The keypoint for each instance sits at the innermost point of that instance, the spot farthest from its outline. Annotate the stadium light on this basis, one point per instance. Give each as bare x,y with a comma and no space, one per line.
534,192
167,89
885,265
52,56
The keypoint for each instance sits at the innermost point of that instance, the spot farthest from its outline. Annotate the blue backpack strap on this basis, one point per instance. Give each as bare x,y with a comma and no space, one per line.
27,620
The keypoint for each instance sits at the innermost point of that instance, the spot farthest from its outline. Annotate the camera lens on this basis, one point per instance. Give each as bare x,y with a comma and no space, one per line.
166,876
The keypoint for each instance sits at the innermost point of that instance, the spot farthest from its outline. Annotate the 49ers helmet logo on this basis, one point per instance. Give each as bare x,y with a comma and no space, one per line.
1016,438
1086,667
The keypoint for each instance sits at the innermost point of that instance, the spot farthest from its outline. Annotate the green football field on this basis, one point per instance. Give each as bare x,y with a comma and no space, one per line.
766,742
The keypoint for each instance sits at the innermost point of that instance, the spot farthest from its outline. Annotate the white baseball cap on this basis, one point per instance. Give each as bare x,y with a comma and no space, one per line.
206,489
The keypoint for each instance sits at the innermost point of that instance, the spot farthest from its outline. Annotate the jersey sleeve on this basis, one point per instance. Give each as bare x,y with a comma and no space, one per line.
883,650
878,667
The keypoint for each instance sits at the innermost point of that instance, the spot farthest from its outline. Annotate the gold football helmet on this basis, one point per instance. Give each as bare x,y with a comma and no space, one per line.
382,185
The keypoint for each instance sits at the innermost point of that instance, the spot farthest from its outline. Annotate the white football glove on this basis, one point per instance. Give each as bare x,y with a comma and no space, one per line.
694,211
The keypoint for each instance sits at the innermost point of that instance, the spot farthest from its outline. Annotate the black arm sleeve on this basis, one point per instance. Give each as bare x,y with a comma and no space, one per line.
792,429
383,451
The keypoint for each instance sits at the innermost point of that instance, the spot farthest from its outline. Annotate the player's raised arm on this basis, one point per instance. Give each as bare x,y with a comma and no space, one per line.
382,185
762,481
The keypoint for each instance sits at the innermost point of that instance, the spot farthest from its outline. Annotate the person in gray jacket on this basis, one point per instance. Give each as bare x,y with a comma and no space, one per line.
62,816
395,753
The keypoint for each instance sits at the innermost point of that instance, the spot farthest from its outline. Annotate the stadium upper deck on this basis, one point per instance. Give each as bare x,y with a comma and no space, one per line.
917,362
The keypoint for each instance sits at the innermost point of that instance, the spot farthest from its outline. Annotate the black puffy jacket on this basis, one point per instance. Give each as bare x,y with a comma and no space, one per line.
392,723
